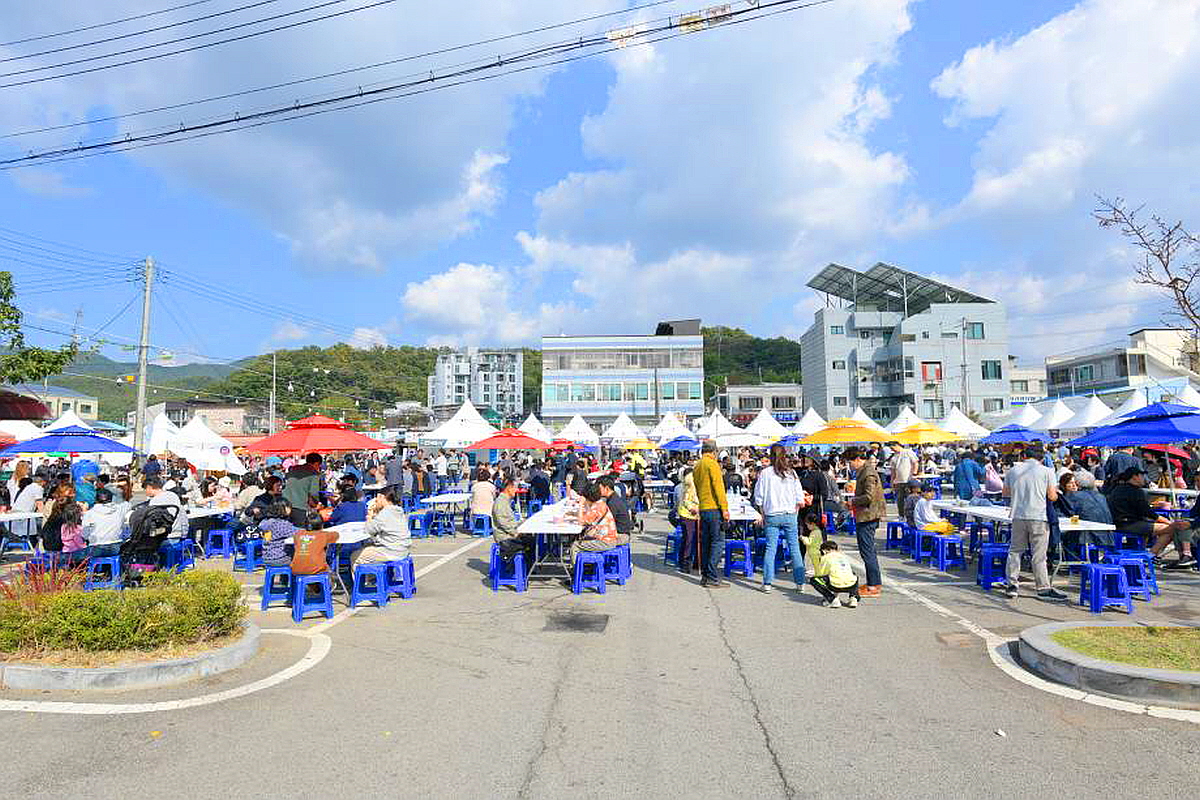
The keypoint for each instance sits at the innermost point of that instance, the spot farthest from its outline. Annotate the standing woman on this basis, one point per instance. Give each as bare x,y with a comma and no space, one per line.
688,511
21,470
779,496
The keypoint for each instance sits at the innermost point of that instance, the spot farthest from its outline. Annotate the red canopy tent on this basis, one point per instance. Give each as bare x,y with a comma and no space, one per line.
315,434
510,439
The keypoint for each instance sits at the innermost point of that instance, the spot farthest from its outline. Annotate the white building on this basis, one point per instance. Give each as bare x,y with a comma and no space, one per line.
1025,384
1161,360
491,379
889,338
741,403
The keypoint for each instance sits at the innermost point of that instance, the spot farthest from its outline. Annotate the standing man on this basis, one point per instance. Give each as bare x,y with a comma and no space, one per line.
302,489
904,463
393,472
868,508
1030,485
441,468
714,512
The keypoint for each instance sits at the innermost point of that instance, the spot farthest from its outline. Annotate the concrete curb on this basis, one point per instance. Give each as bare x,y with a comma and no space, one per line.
1041,654
134,676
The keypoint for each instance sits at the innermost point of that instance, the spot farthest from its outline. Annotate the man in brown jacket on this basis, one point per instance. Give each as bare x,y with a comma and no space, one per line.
868,508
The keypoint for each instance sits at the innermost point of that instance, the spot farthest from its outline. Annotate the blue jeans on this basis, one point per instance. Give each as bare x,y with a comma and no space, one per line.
102,550
866,550
777,525
712,544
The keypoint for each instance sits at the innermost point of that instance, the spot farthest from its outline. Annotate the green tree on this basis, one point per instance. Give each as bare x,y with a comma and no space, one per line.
20,362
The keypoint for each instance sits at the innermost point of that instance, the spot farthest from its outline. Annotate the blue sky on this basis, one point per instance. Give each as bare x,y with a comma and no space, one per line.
708,176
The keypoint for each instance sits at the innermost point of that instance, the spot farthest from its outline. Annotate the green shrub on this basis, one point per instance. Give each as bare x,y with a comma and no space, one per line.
168,609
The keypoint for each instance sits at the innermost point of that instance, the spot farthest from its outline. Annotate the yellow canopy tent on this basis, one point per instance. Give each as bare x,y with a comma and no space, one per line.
925,433
845,431
639,444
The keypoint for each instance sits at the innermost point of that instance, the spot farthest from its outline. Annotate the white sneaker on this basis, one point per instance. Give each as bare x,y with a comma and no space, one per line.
835,602
851,602
766,588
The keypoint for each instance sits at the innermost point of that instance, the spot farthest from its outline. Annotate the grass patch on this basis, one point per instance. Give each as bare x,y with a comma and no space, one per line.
1157,647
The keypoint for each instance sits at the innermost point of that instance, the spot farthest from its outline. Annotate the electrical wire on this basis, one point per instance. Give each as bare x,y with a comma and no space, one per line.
339,73
65,246
108,24
671,28
144,32
182,50
117,315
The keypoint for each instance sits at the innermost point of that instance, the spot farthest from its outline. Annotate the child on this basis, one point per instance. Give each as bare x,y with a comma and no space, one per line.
835,576
812,534
925,516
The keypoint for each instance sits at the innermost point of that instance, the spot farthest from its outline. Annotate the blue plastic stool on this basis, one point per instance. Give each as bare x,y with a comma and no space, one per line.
948,552
744,560
218,542
580,579
993,559
1136,576
301,605
441,523
616,564
894,535
112,567
419,524
247,555
401,578
1150,574
921,553
672,546
276,594
16,544
374,590
508,573
46,562
1103,585
481,525
830,523
851,525
534,507
176,554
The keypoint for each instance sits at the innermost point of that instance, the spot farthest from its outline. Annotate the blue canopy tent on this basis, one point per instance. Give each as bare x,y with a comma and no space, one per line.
681,443
67,440
1160,410
1014,434
1140,430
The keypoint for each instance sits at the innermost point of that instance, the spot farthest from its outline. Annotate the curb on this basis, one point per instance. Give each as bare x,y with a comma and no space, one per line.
136,676
1042,655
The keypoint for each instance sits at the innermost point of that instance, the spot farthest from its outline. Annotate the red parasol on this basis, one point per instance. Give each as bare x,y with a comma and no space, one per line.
1174,452
510,439
561,445
316,434
19,406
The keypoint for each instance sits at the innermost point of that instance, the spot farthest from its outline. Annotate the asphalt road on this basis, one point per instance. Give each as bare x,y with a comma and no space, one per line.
657,689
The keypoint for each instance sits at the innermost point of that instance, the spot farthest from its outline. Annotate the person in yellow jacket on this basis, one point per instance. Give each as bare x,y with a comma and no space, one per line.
812,535
714,513
689,516
835,576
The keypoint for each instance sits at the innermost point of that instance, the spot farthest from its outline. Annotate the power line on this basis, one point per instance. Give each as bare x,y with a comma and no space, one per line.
338,73
143,32
192,48
98,25
644,35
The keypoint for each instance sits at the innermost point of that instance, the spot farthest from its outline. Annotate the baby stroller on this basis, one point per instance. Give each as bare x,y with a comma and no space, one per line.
148,528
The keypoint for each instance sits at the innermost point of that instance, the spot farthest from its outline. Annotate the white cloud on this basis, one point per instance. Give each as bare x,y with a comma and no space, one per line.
288,331
365,338
47,183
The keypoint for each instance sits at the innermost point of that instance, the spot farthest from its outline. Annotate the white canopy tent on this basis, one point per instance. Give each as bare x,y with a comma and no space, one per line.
766,426
20,429
861,416
1027,417
959,423
1087,417
809,424
742,438
1054,417
668,428
204,449
1132,403
622,430
466,427
578,431
716,425
67,420
158,435
1188,397
905,419
534,427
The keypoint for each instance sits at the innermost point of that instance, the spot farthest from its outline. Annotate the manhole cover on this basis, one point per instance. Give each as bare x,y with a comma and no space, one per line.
576,622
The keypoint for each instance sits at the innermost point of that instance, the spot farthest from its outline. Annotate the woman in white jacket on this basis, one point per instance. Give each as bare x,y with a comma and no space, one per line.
778,496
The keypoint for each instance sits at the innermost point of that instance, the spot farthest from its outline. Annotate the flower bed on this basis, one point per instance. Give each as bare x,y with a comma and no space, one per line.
47,613
1157,647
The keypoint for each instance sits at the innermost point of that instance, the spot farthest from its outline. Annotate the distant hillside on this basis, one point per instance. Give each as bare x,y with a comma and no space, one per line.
734,355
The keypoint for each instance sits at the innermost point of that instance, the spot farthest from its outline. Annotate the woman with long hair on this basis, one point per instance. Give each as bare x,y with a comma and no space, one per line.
21,470
778,496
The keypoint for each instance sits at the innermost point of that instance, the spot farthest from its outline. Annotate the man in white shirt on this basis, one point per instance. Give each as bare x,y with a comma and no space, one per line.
30,497
164,497
103,525
904,466
1030,485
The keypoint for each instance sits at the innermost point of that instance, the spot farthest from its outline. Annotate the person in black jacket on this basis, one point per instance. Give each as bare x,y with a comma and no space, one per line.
618,505
1131,513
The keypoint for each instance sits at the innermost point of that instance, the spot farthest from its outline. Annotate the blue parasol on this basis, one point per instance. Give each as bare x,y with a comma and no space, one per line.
1013,434
1160,410
67,440
1155,429
681,443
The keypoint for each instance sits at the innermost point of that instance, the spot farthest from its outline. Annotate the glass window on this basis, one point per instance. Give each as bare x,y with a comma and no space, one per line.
564,392
1084,374
908,337
65,405
991,370
836,330
643,391
908,367
839,364
666,390
993,404
694,391
85,408
931,371
1020,386
974,330
550,393
780,403
933,409
749,403
864,334
839,401
949,335
924,334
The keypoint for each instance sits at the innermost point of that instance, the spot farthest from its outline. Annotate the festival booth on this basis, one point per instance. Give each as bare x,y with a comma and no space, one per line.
580,433
766,426
716,425
197,444
621,431
532,426
905,419
810,423
466,427
668,428
963,426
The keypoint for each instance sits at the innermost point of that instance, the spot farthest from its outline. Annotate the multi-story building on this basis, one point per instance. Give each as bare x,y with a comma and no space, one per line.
741,403
226,419
887,338
1025,384
598,377
1157,359
59,400
490,379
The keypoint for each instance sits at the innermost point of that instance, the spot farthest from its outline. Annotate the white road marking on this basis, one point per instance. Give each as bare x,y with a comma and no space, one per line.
319,647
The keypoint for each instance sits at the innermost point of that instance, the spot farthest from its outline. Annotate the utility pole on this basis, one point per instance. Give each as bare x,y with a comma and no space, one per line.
271,405
656,395
139,417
